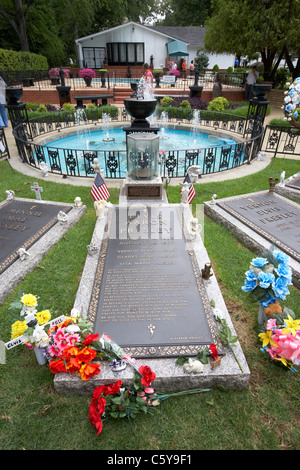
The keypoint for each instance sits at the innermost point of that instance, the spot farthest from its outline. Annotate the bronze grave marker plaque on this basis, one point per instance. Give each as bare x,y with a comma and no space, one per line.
271,216
149,295
22,223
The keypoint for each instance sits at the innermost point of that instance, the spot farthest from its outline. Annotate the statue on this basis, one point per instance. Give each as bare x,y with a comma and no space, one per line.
99,207
23,254
96,167
62,217
193,172
193,366
282,178
272,183
185,192
213,201
10,194
206,274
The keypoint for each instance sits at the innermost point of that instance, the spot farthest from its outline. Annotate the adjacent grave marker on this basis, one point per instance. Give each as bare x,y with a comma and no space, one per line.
275,218
22,223
30,226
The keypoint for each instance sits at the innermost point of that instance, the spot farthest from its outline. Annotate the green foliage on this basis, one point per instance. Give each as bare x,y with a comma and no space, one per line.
229,69
201,60
42,109
282,76
184,104
218,104
68,107
167,101
17,60
216,68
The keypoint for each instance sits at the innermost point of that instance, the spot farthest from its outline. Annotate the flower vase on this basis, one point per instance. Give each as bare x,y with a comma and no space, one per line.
261,318
40,356
295,123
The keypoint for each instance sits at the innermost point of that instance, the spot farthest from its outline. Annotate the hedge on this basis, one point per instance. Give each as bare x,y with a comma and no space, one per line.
18,60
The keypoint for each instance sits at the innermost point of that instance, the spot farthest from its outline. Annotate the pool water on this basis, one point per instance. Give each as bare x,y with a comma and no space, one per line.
101,142
169,140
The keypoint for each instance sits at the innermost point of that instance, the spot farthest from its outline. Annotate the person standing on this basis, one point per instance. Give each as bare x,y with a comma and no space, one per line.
148,74
250,81
3,113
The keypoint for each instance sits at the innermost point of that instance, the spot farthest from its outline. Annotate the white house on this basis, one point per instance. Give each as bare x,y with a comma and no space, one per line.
134,44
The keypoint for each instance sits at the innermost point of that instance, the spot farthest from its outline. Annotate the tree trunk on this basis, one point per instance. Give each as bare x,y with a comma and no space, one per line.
295,70
21,23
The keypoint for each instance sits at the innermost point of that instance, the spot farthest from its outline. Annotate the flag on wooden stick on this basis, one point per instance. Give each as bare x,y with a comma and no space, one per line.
99,190
192,192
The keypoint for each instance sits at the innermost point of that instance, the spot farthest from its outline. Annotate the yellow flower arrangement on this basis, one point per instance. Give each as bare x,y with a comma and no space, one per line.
43,317
29,300
18,328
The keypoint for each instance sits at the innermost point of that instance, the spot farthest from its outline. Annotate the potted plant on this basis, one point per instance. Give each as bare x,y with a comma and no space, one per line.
157,73
54,75
87,75
102,73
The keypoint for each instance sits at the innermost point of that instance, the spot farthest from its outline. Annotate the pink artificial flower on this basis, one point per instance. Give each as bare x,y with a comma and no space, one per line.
149,390
54,350
271,324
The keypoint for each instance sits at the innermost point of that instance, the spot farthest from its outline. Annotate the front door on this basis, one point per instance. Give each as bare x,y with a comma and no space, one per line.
93,57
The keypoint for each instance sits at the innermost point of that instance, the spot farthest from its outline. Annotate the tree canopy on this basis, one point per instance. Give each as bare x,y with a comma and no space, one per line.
271,27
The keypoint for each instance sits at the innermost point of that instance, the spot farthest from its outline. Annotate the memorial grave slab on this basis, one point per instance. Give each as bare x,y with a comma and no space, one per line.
290,187
34,226
143,287
262,220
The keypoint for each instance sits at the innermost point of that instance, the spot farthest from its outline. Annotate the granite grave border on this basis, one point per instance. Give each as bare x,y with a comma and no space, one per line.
19,269
170,376
288,188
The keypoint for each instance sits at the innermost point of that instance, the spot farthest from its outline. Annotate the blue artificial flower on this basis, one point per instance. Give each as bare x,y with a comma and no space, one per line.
250,281
281,257
259,262
296,113
269,300
288,108
265,279
284,271
280,287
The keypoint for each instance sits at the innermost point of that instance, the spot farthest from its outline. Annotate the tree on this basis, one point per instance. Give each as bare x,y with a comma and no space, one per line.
185,12
15,13
201,60
242,27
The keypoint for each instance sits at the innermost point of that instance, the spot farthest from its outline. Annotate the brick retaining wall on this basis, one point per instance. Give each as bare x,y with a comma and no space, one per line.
51,96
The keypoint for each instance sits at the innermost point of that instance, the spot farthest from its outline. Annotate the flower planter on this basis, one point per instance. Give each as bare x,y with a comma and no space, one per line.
13,94
54,81
88,81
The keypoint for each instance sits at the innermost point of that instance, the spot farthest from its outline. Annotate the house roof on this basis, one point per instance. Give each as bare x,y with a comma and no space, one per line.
192,35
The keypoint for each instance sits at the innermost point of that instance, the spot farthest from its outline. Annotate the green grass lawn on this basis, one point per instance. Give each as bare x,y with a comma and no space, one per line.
33,416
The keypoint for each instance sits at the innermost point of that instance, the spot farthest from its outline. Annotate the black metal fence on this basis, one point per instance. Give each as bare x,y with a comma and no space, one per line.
282,140
174,163
41,79
4,151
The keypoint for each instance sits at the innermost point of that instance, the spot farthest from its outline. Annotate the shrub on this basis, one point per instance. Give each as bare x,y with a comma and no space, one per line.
167,101
54,73
87,73
18,60
282,76
68,107
184,104
230,69
216,68
218,104
42,108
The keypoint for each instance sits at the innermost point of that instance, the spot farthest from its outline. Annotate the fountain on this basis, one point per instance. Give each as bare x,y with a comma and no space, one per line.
143,180
105,119
164,120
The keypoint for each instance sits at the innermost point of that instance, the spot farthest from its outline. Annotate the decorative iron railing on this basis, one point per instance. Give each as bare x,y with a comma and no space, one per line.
4,151
78,162
282,140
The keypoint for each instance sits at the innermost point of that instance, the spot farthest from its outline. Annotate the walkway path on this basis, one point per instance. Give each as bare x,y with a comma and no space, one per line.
239,172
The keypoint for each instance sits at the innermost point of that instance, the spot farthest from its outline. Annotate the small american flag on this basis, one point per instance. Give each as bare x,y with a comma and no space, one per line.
99,190
192,192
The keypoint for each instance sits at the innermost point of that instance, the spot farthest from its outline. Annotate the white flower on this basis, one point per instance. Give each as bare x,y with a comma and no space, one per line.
40,337
72,329
75,313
